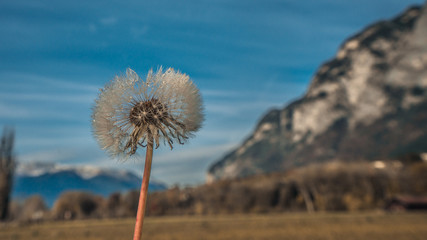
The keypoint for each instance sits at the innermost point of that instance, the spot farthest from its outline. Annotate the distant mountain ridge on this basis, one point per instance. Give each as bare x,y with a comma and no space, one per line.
50,180
369,102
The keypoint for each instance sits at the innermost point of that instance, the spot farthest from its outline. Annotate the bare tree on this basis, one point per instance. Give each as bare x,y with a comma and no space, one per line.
7,168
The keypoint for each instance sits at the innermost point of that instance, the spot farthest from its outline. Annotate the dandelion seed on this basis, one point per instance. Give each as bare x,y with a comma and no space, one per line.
130,113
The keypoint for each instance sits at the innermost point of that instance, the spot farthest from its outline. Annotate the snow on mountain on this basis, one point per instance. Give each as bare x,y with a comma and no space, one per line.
35,169
50,180
368,102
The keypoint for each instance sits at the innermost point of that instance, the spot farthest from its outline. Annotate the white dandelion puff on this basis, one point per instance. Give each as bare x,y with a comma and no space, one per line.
130,112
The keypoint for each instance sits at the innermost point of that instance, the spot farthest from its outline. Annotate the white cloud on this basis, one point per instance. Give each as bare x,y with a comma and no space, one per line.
187,166
10,111
53,155
222,93
19,80
189,154
239,108
108,20
138,31
72,98
50,141
31,112
92,27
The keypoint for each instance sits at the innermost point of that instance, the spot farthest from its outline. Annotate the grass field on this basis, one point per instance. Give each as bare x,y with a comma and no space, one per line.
343,226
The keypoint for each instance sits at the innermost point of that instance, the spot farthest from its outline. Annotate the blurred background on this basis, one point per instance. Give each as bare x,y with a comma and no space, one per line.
310,106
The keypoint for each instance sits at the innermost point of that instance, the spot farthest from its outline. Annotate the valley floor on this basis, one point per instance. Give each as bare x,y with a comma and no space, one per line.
295,226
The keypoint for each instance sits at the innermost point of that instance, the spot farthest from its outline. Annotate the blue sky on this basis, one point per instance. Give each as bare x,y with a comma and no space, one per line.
245,56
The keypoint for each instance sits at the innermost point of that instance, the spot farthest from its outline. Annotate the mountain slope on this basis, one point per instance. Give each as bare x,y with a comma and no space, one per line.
369,102
50,180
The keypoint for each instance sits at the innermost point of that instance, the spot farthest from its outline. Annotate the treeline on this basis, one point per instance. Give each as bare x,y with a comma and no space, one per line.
331,186
76,205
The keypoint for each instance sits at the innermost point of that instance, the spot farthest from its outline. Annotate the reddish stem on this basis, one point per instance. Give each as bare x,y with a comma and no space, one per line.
143,194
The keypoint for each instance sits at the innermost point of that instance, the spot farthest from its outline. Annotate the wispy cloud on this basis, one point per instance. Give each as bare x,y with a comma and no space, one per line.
108,20
55,56
26,81
188,165
223,93
54,155
70,98
237,108
188,154
31,112
138,31
56,141
11,111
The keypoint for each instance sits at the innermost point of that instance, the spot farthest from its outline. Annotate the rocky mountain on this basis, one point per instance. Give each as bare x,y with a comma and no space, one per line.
368,102
50,180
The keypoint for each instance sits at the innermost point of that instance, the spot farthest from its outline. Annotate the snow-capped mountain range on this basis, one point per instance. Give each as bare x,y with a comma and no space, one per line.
35,169
50,180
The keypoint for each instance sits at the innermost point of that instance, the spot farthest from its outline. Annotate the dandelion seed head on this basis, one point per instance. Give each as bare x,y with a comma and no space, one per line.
131,112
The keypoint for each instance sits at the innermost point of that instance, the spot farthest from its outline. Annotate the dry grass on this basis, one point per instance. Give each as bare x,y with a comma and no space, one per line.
293,226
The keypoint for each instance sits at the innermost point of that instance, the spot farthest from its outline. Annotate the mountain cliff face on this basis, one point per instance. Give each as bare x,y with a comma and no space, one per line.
369,102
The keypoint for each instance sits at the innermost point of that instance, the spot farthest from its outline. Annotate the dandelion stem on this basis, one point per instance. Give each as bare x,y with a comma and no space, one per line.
143,194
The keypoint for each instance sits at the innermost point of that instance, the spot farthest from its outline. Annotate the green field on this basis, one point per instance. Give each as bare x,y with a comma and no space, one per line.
295,226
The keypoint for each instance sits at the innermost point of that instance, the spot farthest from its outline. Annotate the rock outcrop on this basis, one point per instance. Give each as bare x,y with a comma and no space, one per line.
369,102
